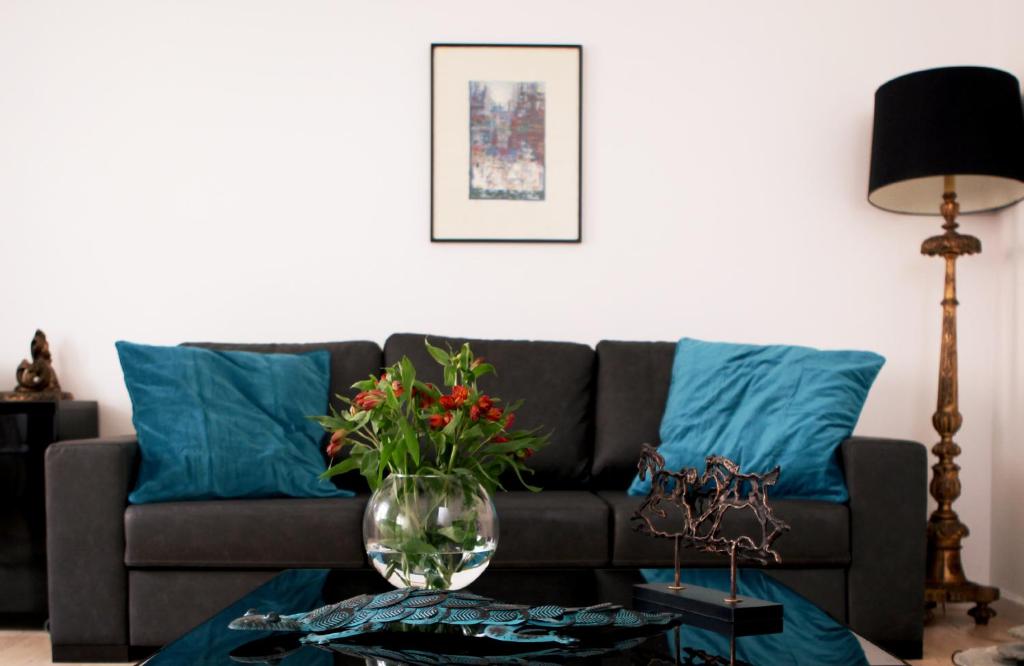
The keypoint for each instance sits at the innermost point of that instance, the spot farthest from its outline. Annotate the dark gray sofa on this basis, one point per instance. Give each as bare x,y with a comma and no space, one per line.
124,576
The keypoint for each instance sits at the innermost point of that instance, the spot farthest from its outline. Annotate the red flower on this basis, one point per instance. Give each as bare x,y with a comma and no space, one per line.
438,421
494,414
426,400
447,402
337,441
509,420
500,439
396,386
460,394
526,453
484,402
367,400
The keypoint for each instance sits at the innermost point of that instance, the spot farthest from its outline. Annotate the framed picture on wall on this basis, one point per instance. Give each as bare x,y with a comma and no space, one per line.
506,142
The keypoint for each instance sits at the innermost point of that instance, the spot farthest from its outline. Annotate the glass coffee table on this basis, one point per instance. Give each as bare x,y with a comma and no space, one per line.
809,636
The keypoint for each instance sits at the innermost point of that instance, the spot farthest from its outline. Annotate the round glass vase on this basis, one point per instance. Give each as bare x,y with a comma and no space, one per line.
430,531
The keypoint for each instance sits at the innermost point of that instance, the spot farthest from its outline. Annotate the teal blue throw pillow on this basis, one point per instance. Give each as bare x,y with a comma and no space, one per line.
226,424
764,406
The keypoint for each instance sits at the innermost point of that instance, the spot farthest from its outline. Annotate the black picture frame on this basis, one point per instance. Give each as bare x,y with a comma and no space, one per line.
438,237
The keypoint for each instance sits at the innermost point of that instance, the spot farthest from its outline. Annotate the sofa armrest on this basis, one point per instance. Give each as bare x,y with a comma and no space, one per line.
888,482
87,485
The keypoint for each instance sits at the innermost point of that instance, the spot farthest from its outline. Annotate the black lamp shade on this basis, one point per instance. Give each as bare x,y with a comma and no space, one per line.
966,122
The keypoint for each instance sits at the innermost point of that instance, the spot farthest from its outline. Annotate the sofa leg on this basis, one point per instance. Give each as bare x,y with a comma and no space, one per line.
92,653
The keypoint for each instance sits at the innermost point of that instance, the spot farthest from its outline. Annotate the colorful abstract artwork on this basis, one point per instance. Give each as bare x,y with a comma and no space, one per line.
506,143
506,131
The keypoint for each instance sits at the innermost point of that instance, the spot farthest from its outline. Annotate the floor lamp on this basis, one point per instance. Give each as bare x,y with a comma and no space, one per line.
948,141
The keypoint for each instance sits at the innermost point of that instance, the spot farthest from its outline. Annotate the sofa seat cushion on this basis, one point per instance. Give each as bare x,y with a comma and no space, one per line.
567,528
820,535
240,534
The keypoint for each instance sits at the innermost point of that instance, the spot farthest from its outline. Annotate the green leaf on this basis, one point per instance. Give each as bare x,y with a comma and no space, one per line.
439,355
423,388
412,444
453,425
364,385
483,369
505,447
418,547
449,375
387,453
330,423
519,475
407,373
346,465
452,533
368,464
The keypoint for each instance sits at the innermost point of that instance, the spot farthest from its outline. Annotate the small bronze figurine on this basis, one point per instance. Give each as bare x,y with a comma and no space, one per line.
37,379
701,503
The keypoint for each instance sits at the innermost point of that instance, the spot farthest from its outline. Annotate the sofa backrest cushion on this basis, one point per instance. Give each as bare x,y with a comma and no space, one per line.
632,386
203,416
555,379
351,361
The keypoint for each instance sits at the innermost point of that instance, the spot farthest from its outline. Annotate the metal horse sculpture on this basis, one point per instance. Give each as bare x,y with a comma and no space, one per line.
702,503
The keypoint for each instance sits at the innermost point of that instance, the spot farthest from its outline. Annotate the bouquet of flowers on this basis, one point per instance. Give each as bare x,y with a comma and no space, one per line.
398,424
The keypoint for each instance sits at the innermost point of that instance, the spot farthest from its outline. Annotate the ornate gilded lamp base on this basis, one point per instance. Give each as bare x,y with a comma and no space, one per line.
945,581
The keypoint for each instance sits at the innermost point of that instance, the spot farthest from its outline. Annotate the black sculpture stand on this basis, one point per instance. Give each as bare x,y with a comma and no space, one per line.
707,608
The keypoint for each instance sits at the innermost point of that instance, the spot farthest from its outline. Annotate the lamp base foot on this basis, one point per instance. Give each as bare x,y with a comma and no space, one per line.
965,592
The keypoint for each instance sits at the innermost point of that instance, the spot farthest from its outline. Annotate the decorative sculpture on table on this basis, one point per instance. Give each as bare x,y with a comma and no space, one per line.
37,379
474,615
698,504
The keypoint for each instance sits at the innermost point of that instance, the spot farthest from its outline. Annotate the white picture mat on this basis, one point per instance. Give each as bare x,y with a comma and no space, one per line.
455,215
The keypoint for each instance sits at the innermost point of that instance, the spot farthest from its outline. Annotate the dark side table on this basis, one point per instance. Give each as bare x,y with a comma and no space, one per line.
26,429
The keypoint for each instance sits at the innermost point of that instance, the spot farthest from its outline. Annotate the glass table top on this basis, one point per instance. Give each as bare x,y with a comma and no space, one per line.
809,636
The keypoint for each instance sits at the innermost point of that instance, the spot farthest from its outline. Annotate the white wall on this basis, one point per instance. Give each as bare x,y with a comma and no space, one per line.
251,170
1008,443
1008,435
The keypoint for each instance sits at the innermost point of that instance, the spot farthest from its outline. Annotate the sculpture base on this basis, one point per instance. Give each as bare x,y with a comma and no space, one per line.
34,396
707,608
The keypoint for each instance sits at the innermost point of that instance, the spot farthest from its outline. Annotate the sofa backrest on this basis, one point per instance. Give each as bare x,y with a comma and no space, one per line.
599,406
556,381
632,386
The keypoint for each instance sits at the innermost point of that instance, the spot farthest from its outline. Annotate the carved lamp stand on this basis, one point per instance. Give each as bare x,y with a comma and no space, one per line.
958,133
